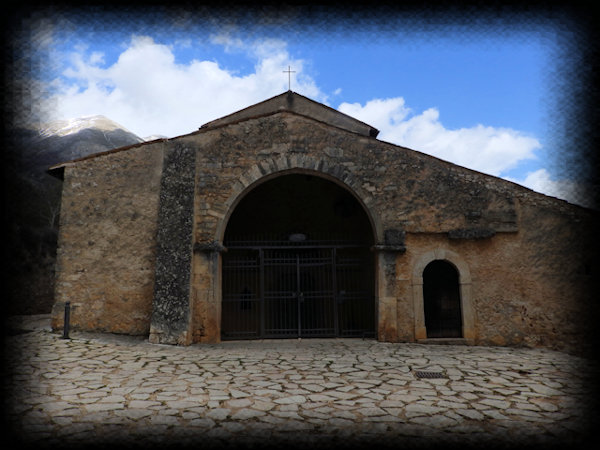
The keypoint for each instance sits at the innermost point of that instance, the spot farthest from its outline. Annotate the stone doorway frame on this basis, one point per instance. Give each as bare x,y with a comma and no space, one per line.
288,165
465,288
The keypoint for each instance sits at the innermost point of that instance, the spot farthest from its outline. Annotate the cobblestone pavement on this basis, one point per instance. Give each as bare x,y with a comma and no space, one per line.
108,389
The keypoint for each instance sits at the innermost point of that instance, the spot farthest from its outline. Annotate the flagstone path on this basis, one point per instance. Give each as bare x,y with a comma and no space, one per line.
107,389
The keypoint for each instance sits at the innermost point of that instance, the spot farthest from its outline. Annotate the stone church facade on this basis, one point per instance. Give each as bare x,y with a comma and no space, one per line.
290,219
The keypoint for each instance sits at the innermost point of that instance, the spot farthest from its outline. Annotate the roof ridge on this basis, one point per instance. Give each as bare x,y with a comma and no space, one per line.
294,102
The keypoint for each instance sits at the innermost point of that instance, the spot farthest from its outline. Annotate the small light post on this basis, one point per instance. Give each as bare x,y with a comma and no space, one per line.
67,320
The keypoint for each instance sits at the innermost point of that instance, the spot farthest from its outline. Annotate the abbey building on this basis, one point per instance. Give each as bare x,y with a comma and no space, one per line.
289,219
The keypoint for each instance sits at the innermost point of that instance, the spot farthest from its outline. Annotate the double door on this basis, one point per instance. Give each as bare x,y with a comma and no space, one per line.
289,293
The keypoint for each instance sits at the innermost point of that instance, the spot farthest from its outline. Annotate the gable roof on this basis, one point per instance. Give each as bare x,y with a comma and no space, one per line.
293,102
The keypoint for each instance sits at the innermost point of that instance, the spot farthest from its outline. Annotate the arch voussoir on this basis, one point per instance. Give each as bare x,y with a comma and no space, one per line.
267,168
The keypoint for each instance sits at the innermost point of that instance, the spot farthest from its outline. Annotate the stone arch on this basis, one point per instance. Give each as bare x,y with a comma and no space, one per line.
464,274
207,268
297,163
257,302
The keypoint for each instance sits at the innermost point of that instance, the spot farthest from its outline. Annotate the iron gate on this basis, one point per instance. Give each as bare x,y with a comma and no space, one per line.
291,292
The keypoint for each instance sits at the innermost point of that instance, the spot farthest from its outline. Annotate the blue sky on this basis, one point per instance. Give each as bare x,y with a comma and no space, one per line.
481,97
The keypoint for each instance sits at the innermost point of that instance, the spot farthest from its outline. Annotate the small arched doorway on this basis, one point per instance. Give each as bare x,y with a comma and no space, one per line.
441,300
298,262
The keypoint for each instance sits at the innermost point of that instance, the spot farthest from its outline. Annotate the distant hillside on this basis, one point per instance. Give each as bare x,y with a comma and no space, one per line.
32,200
66,140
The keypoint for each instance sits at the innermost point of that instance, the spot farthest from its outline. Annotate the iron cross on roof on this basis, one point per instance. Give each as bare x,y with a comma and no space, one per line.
289,72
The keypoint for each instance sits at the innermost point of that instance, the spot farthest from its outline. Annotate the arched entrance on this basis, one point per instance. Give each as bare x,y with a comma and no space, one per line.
298,263
441,300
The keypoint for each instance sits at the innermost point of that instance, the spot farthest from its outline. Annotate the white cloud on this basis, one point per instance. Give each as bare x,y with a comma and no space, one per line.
573,192
486,149
97,58
146,91
227,41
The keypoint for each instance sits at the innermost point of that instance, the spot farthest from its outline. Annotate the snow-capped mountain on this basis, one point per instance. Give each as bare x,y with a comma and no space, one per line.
72,126
65,140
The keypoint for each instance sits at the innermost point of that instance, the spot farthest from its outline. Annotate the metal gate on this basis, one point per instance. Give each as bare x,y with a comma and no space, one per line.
272,291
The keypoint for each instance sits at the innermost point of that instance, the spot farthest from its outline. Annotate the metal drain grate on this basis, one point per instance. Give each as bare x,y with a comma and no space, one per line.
429,374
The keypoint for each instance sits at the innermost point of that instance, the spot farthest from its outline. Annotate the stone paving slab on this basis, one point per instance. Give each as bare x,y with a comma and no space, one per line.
108,389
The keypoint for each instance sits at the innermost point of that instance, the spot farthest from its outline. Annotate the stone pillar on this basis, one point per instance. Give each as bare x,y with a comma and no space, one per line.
387,313
171,318
468,313
417,293
206,290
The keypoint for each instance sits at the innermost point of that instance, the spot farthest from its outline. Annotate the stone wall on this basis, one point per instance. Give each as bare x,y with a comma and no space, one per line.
138,241
411,191
515,242
107,241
